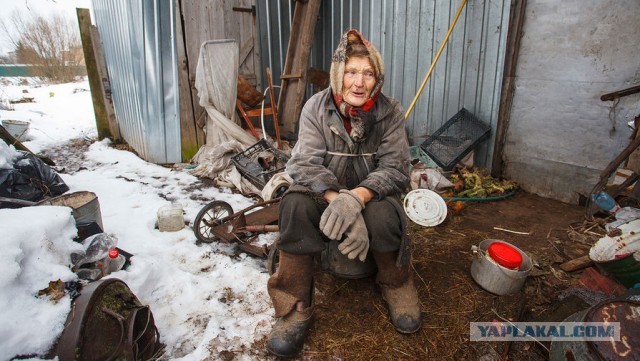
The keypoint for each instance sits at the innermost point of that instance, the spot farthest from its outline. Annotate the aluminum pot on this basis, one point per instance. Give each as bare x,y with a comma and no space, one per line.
493,277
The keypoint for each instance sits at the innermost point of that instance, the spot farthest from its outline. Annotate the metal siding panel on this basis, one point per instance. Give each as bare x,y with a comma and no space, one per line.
152,112
455,64
408,34
397,42
141,61
169,97
410,67
419,119
119,38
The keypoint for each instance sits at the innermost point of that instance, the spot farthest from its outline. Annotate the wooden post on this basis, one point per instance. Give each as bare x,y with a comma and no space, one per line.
514,34
190,138
105,85
292,93
102,121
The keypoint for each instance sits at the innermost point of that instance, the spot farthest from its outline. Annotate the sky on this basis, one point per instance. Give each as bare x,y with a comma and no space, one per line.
203,300
45,8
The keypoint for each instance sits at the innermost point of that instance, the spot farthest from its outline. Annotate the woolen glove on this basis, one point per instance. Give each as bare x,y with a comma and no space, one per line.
340,214
356,244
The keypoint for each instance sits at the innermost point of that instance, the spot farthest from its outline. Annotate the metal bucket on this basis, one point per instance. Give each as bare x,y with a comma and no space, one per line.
335,262
495,278
624,311
84,205
17,128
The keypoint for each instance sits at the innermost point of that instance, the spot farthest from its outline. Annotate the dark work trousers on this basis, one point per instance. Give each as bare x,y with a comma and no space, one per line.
300,217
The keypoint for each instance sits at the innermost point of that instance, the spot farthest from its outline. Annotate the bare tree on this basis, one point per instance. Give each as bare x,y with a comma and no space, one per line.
51,45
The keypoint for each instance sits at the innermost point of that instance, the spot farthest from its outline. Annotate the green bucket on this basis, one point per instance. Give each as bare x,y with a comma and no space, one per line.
625,270
619,256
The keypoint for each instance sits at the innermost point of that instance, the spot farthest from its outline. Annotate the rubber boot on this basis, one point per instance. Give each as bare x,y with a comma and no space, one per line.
291,291
399,292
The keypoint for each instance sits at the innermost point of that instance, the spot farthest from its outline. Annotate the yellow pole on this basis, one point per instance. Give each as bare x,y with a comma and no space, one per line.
435,60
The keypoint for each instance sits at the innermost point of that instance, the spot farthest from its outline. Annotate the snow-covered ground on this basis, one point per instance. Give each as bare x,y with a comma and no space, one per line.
204,301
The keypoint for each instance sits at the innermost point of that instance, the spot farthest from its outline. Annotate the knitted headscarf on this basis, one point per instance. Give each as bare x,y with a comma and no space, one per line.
356,114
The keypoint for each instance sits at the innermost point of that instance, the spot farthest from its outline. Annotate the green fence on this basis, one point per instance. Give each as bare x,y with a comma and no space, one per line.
14,70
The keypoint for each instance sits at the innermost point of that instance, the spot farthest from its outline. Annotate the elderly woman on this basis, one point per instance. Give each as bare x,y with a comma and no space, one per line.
349,166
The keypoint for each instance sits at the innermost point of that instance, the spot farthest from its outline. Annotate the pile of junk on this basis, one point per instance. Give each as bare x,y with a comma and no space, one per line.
107,321
32,181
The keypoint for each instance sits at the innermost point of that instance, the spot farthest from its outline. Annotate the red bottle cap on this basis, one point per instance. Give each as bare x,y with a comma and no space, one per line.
113,253
505,255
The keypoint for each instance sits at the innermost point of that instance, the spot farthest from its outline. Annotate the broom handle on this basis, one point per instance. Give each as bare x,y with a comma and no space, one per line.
435,60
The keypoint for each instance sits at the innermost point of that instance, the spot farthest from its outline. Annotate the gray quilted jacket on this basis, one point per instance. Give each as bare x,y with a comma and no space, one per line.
325,157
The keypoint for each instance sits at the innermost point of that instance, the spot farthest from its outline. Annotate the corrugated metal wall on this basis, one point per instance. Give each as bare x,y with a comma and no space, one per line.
138,39
409,33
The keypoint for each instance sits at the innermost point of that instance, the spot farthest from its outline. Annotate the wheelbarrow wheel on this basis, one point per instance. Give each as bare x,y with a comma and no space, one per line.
209,217
273,258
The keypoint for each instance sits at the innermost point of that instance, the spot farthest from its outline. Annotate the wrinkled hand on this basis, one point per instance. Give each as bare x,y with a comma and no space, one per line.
340,214
356,244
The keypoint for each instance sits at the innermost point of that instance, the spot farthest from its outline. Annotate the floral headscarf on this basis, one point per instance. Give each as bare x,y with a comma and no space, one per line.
356,114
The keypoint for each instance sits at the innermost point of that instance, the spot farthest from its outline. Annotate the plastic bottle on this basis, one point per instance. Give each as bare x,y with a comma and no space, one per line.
171,217
89,274
114,262
606,202
96,248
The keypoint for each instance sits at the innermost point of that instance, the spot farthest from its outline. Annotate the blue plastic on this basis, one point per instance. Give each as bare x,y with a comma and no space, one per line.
605,201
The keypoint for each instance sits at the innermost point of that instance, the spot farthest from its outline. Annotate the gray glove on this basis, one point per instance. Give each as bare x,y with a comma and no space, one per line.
356,244
340,214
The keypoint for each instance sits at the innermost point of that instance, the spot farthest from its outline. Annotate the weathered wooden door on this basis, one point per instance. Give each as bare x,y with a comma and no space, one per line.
200,21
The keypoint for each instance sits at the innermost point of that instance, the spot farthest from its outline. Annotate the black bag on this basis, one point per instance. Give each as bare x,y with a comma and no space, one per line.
108,322
30,179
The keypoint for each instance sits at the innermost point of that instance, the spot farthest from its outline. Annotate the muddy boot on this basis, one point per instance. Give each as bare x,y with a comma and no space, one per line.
289,333
399,292
291,291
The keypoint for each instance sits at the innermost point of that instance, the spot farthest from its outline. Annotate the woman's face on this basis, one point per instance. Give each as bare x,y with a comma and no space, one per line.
358,81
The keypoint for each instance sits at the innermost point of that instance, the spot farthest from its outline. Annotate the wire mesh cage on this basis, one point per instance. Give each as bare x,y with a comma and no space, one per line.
455,139
260,162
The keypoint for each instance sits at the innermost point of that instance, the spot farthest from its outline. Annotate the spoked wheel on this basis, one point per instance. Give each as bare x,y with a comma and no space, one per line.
209,217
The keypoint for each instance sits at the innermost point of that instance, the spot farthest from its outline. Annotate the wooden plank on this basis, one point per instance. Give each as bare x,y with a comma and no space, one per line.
105,85
620,93
191,138
202,21
212,20
97,96
305,16
516,22
577,264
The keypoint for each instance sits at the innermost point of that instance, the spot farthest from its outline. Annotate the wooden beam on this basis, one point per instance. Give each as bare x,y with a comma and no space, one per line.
105,85
190,141
620,93
98,97
577,264
292,93
514,34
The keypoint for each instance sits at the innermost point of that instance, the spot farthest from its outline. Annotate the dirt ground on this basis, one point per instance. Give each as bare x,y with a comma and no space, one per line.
352,319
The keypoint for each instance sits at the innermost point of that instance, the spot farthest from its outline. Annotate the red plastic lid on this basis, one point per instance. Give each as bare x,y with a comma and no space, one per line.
505,255
113,253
